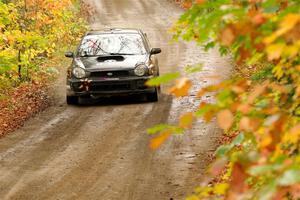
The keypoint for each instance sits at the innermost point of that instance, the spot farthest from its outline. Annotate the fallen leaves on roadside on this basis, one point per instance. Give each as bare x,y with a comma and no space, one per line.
21,104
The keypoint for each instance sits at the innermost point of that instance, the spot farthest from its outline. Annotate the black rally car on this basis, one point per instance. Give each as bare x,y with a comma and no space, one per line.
110,63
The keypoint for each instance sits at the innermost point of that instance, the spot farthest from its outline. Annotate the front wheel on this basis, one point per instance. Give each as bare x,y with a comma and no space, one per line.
72,100
153,97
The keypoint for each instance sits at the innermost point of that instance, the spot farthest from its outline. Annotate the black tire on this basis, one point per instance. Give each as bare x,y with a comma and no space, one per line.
72,100
159,89
153,97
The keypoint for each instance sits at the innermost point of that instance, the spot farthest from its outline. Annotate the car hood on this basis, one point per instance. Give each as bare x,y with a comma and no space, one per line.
111,63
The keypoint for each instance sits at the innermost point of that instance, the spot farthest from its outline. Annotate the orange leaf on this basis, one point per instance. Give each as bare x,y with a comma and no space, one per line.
258,90
187,4
225,119
270,111
247,124
202,104
208,116
201,92
277,87
181,88
265,141
258,19
244,108
244,54
238,182
156,142
237,89
227,36
218,166
200,1
296,191
186,120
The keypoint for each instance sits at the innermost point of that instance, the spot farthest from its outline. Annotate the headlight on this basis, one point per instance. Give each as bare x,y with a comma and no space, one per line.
140,70
79,72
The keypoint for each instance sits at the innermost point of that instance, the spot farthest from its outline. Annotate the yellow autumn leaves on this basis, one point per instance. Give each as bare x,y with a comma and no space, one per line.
259,109
288,23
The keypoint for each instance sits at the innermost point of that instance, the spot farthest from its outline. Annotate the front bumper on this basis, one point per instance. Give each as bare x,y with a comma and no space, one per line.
99,87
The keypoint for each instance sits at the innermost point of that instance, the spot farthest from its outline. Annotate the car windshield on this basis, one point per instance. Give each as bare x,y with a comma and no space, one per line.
108,44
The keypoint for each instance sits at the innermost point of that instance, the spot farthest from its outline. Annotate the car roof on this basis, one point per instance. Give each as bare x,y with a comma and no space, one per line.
114,30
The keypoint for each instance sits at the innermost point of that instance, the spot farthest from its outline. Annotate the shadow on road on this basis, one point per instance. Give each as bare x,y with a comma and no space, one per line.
121,100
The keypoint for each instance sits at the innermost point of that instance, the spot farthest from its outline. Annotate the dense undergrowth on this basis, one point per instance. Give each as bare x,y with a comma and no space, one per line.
259,107
33,35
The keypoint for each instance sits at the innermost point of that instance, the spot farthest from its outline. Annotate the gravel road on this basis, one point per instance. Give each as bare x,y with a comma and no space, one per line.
100,151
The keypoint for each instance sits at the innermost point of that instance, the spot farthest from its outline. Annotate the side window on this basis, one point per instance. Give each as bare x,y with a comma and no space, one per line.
147,40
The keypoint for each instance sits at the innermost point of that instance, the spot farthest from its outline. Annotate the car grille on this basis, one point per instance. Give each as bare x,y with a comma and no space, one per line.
110,87
122,73
106,86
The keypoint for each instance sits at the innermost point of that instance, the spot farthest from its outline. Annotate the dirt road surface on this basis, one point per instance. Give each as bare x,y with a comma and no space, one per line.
100,151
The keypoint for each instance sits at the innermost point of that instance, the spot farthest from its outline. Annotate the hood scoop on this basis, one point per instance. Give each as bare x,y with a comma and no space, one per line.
110,58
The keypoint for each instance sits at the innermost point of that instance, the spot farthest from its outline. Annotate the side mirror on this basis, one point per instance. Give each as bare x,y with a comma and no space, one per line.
69,54
155,51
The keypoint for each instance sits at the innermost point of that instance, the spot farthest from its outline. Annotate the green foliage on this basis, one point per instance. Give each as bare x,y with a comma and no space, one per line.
30,32
262,74
163,127
193,68
261,104
163,79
